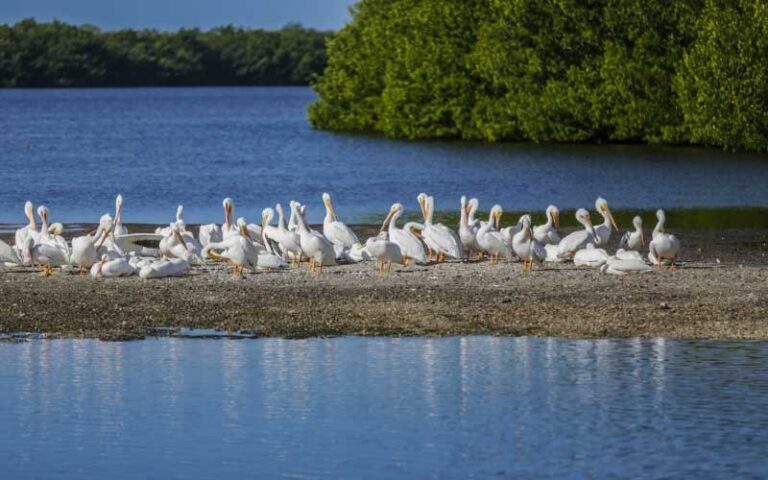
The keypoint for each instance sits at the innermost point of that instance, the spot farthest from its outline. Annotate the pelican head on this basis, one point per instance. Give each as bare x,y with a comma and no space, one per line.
266,216
525,222
582,216
43,212
638,223
422,199
118,201
229,206
29,211
554,213
495,216
601,205
329,206
179,212
394,209
660,215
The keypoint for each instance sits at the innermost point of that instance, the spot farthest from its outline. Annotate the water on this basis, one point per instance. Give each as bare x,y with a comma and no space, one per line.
473,407
76,149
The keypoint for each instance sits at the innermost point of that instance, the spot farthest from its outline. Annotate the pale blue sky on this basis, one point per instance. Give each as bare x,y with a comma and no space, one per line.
172,14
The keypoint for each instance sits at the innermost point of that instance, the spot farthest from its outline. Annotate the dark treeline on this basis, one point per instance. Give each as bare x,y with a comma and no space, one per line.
685,71
56,54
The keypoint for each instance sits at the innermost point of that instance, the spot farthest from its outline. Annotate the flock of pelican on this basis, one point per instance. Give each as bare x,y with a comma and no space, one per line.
111,251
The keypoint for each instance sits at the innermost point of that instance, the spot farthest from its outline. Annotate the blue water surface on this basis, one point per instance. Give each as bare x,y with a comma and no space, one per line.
75,149
464,407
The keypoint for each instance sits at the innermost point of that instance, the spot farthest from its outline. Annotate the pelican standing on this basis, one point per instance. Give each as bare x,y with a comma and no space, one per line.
547,234
634,240
385,252
468,231
237,249
603,231
51,250
579,239
314,245
337,232
29,230
439,238
118,228
663,246
410,246
490,240
527,247
288,240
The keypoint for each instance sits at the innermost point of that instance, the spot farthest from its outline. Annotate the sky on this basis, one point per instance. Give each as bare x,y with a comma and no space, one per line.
173,14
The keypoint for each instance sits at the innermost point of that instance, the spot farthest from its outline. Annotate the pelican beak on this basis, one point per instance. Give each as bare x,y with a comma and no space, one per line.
497,220
332,210
610,217
244,232
468,208
642,239
423,208
386,221
180,239
556,219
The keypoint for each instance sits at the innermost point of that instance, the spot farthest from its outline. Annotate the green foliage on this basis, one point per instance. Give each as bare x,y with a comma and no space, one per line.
55,54
723,80
687,71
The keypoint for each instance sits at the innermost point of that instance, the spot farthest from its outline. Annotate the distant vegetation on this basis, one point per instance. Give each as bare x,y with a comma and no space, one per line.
657,71
56,54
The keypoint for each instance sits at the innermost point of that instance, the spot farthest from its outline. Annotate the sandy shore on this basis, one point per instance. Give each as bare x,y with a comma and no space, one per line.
704,299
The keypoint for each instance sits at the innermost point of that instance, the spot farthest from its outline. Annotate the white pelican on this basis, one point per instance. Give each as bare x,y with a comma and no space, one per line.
625,266
288,240
51,250
590,257
118,228
490,240
385,252
468,231
664,246
212,232
337,232
172,267
622,254
358,253
237,249
314,245
165,231
547,234
411,247
10,257
603,231
439,238
118,267
634,240
270,234
579,239
30,229
85,249
176,246
527,247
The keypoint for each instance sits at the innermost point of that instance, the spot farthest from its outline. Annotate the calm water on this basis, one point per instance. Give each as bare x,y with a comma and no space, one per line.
75,149
474,407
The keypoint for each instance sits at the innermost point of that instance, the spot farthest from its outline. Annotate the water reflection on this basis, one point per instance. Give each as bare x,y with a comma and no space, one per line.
328,408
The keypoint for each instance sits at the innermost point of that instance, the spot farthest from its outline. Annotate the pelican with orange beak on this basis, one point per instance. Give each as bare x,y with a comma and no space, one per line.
406,238
337,232
547,234
527,247
51,250
439,239
467,229
491,240
579,239
603,231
